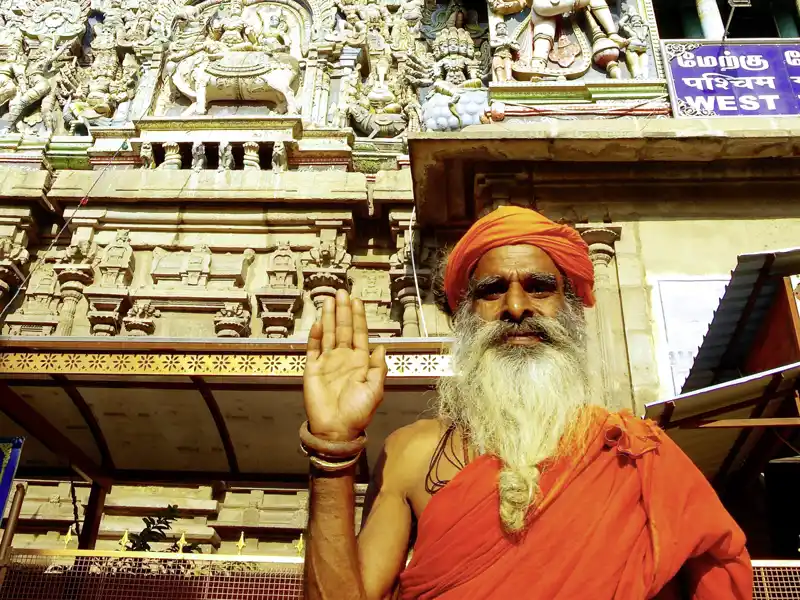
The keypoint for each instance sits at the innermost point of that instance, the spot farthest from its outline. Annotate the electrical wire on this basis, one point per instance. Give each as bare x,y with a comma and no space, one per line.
414,271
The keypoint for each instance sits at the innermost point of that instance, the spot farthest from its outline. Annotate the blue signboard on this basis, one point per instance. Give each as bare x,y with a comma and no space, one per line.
10,449
713,79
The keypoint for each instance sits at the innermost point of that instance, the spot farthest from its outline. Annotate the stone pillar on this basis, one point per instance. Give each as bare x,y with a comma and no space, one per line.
606,344
172,157
72,279
710,19
251,160
410,315
322,90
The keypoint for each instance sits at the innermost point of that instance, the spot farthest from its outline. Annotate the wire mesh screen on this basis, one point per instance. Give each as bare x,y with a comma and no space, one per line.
779,581
62,576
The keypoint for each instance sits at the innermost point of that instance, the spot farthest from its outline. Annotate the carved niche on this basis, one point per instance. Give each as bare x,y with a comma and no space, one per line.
197,281
38,314
108,295
372,287
280,300
403,286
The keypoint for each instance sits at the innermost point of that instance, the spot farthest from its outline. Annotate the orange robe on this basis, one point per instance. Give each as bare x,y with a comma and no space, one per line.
618,522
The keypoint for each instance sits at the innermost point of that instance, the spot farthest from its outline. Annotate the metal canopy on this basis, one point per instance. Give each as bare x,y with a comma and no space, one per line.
133,410
740,315
719,425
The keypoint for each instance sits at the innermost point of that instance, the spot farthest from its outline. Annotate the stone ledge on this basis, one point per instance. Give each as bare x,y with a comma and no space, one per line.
209,186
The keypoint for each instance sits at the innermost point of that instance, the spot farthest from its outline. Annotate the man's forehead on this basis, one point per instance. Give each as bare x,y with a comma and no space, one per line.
517,258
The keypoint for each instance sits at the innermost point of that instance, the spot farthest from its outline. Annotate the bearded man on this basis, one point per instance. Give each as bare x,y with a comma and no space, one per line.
523,486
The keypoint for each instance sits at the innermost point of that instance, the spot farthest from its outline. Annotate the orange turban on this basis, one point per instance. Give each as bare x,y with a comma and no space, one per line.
513,225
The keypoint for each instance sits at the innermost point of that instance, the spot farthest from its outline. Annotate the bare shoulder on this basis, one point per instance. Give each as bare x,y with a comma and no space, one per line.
416,438
408,450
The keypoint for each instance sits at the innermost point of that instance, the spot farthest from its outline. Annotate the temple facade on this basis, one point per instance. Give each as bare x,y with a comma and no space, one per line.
183,183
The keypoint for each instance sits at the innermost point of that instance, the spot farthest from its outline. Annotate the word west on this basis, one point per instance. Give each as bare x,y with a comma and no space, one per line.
706,104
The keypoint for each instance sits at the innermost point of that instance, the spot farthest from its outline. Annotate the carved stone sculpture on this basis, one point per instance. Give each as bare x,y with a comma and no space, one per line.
325,268
279,160
75,270
12,67
537,35
503,51
225,157
198,156
146,156
239,58
633,27
13,260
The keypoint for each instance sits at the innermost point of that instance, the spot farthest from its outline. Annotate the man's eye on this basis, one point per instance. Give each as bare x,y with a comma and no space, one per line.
492,291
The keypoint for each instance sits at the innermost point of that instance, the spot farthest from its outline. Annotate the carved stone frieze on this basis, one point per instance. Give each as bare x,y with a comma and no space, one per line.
197,281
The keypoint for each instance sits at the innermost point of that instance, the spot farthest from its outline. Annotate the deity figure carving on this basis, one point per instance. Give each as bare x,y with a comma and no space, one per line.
12,67
116,262
40,79
633,27
198,156
239,58
146,156
225,157
536,35
108,81
456,71
280,162
503,51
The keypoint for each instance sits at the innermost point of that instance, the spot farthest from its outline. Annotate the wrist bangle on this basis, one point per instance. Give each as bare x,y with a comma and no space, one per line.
333,466
311,445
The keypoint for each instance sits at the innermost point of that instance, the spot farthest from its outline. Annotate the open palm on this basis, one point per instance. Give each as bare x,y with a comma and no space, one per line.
343,382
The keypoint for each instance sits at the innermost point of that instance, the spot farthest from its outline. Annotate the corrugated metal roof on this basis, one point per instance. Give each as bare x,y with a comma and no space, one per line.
708,448
742,309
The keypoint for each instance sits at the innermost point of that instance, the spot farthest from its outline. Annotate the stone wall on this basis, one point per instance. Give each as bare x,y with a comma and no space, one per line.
271,520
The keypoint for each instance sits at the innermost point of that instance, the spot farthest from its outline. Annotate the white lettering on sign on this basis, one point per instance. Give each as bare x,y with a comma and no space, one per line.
732,103
792,58
726,62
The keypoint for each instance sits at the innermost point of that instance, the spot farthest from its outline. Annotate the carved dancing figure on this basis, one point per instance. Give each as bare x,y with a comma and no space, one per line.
503,50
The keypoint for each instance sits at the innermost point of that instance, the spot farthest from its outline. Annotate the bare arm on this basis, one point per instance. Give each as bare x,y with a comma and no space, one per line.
342,387
338,565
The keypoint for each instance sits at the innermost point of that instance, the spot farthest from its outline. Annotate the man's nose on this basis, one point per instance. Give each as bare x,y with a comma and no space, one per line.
519,305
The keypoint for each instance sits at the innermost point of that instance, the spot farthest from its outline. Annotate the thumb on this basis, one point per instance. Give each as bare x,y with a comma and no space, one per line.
376,374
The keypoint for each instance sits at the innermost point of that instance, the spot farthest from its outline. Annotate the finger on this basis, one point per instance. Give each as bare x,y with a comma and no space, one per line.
360,331
376,374
314,345
344,320
328,323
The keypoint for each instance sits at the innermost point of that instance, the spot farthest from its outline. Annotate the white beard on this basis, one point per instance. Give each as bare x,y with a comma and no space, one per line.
517,402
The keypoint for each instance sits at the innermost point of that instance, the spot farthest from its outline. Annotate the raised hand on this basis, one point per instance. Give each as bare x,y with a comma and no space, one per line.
343,382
